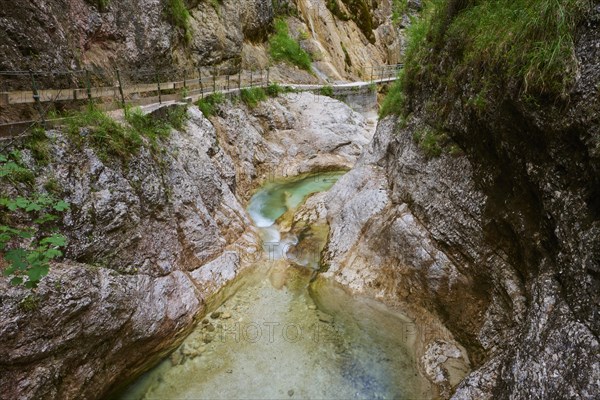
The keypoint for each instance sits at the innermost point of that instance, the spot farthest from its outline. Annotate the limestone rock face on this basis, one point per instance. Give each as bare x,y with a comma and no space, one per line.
500,244
131,34
139,36
135,229
294,134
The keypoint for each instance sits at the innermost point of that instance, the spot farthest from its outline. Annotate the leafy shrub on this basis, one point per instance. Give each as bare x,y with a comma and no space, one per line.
251,97
27,238
208,105
284,48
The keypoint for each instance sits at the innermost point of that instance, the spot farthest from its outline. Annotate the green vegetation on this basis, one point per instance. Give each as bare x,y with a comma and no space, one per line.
251,97
494,45
106,135
285,8
399,8
28,238
285,48
303,35
102,4
347,59
394,101
432,142
31,302
208,105
153,128
215,4
112,139
274,90
178,15
37,142
326,91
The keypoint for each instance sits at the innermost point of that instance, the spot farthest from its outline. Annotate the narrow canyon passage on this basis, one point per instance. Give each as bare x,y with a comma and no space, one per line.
277,335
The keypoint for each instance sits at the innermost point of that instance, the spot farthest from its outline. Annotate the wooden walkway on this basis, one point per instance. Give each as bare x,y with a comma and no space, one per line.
152,95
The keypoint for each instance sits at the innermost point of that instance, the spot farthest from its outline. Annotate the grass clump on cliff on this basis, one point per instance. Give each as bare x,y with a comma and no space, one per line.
112,139
103,4
104,133
394,101
282,47
525,45
326,91
432,142
178,15
274,90
251,97
399,8
208,105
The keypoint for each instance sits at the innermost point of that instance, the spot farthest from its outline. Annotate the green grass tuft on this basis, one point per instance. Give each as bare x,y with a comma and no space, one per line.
284,48
209,104
432,142
178,15
252,97
326,91
394,101
38,144
106,135
112,139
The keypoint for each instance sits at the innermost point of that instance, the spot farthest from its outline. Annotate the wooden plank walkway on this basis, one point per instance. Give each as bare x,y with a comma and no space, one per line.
151,95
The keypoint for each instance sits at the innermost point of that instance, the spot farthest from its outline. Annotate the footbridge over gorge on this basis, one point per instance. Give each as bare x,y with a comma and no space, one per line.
31,98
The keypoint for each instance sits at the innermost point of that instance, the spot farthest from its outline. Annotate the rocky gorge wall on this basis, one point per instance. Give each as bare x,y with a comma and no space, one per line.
495,238
151,239
135,35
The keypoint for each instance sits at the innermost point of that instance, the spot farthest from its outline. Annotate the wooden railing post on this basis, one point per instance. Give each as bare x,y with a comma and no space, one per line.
200,82
158,87
268,70
240,79
36,98
214,80
251,78
121,88
228,82
88,86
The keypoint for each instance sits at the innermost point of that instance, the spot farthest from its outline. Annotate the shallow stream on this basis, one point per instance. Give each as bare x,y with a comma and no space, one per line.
277,335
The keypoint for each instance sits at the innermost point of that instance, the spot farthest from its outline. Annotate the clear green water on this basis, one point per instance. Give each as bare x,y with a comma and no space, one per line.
282,337
276,198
